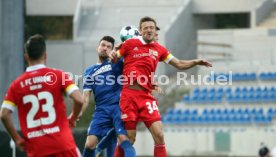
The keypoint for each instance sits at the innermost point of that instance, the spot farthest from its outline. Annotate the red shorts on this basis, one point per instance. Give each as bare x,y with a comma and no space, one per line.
68,153
138,105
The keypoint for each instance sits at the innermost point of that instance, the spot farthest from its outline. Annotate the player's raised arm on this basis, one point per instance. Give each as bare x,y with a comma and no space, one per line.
186,64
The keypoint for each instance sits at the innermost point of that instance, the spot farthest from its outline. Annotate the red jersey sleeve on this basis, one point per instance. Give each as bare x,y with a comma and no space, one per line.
9,100
124,48
67,83
166,56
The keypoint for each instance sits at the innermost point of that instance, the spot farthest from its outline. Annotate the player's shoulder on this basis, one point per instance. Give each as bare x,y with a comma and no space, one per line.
159,46
90,69
53,70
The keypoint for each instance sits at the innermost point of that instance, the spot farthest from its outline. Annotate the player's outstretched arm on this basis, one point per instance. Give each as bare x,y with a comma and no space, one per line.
78,103
6,117
186,64
86,99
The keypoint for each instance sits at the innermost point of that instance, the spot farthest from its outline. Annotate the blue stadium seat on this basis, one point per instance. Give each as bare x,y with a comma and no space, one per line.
211,98
226,119
251,90
247,119
167,119
225,111
212,111
262,76
200,120
244,98
232,111
244,90
238,90
218,98
272,89
204,91
253,112
205,112
265,90
246,111
170,111
187,113
186,98
251,97
270,112
193,120
274,76
220,90
196,90
268,119
228,90
218,111
270,76
240,111
177,120
194,112
258,90
265,97
253,76
178,112
260,111
230,98
212,91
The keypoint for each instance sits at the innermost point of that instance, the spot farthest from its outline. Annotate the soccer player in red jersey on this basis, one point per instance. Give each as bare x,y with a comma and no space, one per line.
38,96
141,56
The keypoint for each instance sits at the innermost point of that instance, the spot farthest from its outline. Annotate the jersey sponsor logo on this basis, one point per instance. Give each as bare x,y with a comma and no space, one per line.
141,55
102,70
155,53
124,116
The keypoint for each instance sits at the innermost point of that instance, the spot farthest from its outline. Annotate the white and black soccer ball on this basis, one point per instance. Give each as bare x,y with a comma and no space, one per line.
128,32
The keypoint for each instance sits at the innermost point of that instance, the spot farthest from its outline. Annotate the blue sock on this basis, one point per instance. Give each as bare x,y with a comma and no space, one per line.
88,152
128,149
111,147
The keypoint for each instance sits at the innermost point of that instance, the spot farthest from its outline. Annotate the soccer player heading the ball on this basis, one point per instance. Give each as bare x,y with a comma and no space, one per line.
141,56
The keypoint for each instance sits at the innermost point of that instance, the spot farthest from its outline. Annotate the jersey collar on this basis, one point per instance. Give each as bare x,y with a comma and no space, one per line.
142,40
35,67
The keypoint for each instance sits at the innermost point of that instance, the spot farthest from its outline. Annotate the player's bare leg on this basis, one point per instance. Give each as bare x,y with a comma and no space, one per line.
158,137
90,146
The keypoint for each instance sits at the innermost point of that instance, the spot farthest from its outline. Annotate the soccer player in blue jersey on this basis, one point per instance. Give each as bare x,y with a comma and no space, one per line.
101,79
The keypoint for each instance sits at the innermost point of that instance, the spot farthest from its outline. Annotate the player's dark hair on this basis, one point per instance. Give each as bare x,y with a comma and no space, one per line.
35,46
109,39
146,19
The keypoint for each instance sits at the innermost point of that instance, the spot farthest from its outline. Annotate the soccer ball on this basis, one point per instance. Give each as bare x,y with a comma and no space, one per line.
128,32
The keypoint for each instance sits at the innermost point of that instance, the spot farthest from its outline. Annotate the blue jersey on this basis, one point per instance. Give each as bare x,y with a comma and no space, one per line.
102,79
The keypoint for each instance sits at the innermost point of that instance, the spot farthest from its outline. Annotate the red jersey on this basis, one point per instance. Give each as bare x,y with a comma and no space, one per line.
141,59
38,95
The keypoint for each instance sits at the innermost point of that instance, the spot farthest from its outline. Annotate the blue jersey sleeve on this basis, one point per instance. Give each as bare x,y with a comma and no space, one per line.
88,79
121,63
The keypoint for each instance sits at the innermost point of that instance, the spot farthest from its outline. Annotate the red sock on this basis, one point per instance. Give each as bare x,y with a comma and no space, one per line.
119,152
160,150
